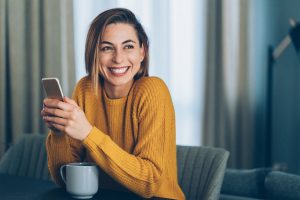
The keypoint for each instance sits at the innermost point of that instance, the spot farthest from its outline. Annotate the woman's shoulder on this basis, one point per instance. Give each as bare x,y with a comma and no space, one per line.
83,85
150,81
151,86
84,82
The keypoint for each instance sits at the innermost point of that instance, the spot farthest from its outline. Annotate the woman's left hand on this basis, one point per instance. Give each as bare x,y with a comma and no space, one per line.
67,117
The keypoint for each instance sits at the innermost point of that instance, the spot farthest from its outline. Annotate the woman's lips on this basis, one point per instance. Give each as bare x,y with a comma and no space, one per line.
118,70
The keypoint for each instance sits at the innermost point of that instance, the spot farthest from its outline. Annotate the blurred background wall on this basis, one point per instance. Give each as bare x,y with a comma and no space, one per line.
272,24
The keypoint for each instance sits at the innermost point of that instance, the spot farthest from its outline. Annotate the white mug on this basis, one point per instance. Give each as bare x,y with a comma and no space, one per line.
81,179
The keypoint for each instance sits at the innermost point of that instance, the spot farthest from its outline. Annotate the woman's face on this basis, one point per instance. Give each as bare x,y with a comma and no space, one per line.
120,55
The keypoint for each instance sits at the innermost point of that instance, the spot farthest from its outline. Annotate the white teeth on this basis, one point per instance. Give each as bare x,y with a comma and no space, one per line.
118,70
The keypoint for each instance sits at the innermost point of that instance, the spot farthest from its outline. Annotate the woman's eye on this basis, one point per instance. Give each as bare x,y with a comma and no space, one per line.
106,48
129,46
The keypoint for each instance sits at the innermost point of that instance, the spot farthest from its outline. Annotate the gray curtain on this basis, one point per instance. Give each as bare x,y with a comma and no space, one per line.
228,114
36,40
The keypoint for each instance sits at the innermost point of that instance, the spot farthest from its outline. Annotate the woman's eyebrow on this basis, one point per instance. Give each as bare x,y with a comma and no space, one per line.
126,41
106,42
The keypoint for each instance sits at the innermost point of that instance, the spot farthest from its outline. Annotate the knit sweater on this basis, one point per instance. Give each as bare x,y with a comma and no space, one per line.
132,140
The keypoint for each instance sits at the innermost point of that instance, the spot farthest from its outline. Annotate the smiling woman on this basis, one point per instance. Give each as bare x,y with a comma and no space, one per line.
177,52
119,117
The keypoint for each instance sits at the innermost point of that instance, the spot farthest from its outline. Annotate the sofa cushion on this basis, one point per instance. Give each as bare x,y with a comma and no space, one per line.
280,185
245,183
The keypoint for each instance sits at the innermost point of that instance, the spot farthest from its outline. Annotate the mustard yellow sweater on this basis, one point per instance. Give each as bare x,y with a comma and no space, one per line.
132,140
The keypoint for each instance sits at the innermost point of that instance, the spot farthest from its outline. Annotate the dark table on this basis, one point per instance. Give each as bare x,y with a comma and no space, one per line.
22,188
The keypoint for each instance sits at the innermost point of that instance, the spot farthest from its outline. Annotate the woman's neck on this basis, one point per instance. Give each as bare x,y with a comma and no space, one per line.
117,92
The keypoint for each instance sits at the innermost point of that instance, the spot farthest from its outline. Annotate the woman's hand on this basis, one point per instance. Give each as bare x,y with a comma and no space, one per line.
66,116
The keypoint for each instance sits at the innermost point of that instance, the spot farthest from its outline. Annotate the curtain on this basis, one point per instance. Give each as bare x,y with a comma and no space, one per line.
36,40
228,111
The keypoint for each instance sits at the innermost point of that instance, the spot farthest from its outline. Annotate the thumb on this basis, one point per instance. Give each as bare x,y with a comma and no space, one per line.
70,101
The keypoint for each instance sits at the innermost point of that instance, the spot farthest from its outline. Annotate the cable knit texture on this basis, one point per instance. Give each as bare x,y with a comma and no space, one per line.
132,140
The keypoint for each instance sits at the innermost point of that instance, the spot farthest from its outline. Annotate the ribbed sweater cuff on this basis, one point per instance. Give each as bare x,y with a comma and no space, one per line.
95,137
98,140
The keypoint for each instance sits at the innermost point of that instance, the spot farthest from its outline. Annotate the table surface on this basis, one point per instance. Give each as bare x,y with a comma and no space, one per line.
22,188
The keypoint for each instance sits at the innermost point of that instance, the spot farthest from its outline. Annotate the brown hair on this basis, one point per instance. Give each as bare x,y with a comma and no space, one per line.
94,37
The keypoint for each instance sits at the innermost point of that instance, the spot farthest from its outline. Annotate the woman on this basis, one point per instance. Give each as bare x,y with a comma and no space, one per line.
119,117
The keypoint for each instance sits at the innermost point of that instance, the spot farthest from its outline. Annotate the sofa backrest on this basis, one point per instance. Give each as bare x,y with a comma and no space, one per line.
201,171
27,157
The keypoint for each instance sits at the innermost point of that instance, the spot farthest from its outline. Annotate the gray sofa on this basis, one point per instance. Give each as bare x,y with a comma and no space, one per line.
260,183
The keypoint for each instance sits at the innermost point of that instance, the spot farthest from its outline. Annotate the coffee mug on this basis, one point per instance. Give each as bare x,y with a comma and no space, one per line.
81,179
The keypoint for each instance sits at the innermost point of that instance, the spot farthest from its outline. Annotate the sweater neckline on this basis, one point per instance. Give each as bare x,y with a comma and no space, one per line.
112,102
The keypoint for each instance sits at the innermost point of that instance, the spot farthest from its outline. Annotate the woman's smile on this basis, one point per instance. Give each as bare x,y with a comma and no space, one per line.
118,71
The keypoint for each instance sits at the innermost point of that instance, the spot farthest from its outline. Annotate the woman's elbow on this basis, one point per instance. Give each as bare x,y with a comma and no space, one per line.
150,188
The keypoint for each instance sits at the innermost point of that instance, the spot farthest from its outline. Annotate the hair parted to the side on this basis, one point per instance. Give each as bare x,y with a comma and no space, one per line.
94,37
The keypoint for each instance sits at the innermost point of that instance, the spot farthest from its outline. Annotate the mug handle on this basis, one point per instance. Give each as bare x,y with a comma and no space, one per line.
62,173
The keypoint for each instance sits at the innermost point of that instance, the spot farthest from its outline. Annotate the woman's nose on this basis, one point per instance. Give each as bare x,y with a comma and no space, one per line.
118,56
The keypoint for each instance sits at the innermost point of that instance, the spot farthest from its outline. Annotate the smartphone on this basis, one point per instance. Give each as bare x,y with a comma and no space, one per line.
52,88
